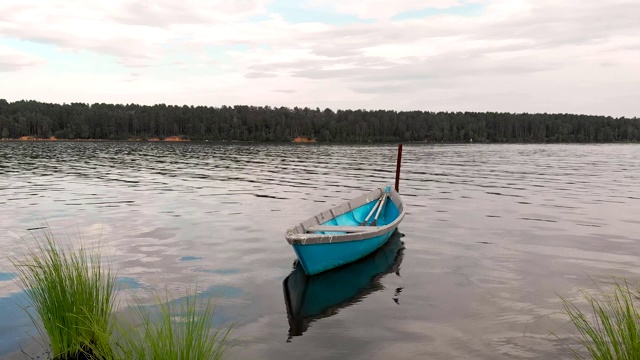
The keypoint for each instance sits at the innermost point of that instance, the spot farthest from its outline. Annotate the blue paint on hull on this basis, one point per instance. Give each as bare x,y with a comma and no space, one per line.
327,249
316,258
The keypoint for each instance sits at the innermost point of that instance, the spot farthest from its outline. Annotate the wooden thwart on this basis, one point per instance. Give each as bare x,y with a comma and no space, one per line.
348,229
318,229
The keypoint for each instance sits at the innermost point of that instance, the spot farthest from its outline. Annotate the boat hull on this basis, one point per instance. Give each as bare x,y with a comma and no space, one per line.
346,232
316,258
310,298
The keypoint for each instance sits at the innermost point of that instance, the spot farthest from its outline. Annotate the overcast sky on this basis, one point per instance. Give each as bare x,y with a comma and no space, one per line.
575,56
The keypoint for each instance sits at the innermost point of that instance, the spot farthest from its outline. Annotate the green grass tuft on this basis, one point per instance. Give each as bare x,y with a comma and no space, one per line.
71,301
72,296
612,329
175,330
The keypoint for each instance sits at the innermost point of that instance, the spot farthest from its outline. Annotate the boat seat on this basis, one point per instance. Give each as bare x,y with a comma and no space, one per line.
347,229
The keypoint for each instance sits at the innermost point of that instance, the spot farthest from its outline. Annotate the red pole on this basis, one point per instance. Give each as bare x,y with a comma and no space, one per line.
398,168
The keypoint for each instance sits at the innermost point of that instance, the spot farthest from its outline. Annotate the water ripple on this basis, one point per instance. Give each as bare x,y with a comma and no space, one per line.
493,233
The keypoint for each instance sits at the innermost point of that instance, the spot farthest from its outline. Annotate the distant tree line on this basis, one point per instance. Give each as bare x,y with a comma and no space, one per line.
281,124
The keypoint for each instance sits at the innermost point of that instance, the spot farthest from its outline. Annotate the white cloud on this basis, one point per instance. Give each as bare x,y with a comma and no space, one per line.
382,9
136,32
516,55
12,60
164,13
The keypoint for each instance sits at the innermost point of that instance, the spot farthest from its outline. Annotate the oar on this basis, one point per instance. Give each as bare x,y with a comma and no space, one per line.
373,209
375,220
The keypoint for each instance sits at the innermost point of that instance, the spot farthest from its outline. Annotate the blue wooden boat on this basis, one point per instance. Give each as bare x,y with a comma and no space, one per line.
347,232
310,298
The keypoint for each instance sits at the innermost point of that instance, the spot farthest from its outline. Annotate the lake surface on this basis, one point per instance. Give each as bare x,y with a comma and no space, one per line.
493,233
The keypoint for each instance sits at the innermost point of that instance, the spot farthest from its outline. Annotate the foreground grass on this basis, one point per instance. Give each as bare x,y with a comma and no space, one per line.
611,329
179,330
71,296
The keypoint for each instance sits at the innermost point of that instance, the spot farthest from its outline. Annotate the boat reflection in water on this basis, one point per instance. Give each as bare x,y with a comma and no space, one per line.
309,298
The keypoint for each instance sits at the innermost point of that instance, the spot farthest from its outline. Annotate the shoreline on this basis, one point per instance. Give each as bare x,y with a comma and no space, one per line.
31,139
315,142
299,139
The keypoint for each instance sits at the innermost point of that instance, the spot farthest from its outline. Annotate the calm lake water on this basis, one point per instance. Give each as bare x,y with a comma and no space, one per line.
493,233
